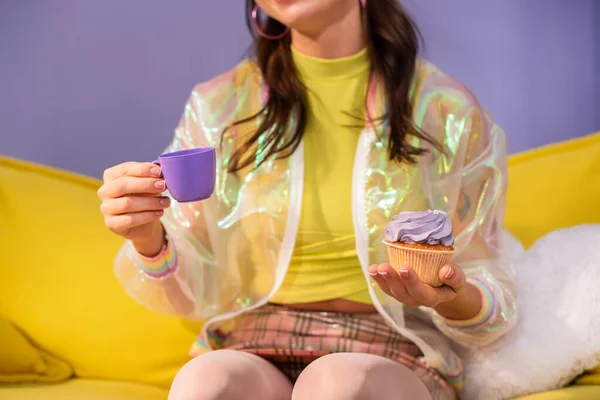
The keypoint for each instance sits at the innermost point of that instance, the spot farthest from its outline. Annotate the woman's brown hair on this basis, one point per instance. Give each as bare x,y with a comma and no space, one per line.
393,46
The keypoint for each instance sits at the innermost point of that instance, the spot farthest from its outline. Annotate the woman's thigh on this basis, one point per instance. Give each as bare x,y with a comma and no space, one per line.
346,376
228,374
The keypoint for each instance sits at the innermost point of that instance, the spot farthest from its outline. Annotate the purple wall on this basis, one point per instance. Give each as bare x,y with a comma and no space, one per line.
533,64
87,84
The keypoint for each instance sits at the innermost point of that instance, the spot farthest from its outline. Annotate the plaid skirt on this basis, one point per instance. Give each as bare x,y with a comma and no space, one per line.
291,339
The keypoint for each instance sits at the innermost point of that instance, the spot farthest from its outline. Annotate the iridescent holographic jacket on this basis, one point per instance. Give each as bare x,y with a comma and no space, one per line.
229,254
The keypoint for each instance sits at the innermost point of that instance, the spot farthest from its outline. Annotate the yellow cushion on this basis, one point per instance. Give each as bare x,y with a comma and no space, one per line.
58,284
21,362
591,378
84,389
570,393
554,187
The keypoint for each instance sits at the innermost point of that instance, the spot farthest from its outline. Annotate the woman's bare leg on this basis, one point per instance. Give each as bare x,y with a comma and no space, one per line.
349,376
230,375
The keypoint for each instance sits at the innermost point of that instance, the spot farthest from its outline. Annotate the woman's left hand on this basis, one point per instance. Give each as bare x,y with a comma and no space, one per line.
405,286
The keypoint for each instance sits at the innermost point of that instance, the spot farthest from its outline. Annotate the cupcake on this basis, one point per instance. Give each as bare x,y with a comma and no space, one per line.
421,240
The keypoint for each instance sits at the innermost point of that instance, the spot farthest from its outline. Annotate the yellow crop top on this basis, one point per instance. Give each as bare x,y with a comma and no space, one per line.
324,264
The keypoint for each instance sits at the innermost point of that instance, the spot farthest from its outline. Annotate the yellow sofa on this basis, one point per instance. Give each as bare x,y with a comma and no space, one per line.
57,285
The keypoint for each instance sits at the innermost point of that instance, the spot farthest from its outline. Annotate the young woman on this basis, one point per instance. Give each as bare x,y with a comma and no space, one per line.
330,130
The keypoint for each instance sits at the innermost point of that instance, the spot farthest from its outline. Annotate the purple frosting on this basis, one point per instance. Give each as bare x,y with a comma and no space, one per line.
427,227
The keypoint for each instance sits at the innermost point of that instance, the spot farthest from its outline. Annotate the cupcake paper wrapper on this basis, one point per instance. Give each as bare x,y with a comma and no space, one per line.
426,263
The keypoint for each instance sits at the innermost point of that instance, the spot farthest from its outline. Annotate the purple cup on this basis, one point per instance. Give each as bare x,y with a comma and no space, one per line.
189,174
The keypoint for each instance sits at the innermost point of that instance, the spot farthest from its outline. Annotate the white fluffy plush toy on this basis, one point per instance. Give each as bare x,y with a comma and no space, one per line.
558,333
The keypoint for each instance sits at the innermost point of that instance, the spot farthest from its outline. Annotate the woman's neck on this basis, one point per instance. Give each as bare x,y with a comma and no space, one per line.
341,38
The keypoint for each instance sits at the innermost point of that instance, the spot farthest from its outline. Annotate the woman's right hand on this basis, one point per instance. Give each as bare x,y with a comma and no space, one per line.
132,204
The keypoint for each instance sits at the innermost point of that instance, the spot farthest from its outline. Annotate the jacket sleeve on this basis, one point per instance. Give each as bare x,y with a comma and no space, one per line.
180,281
478,221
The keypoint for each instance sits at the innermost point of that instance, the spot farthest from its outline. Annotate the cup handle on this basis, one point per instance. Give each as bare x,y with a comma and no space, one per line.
157,162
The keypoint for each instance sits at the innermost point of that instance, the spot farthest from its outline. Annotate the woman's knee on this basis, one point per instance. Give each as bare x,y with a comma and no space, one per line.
346,376
227,374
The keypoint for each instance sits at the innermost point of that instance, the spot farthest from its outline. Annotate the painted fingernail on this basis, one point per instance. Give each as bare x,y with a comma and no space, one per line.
160,212
404,272
450,273
155,171
373,273
382,273
159,185
164,201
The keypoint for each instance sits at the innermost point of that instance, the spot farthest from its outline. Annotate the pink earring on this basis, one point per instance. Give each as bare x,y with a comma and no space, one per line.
259,29
363,3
